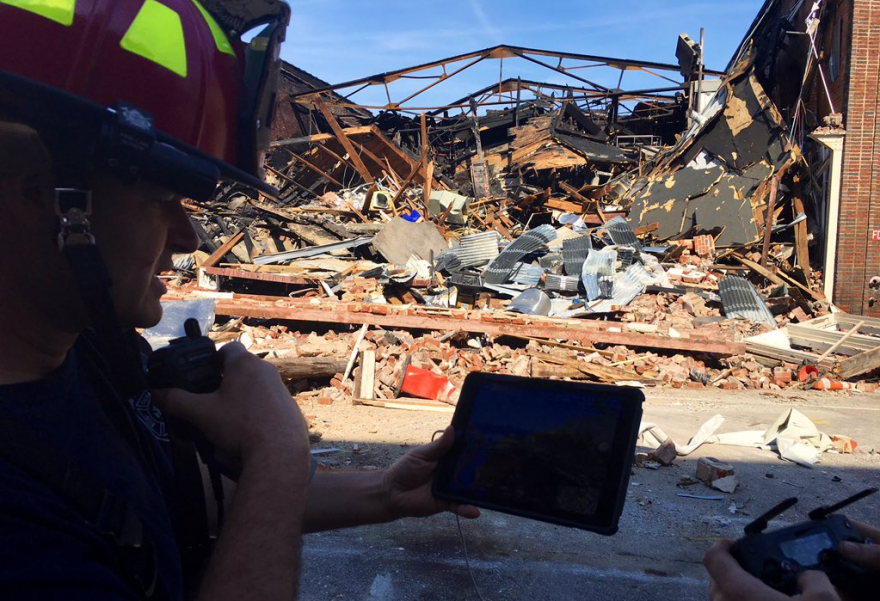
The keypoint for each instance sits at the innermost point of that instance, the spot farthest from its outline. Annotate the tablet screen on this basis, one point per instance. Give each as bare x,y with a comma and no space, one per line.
550,450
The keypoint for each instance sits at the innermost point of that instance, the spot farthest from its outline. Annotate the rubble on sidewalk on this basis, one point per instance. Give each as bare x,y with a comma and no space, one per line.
656,236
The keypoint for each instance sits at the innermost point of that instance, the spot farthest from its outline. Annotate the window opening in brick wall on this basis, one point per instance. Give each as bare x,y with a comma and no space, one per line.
834,59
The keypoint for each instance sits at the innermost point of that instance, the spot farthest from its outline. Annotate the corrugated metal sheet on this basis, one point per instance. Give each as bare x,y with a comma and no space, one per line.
740,299
622,233
564,283
574,253
532,240
477,249
526,273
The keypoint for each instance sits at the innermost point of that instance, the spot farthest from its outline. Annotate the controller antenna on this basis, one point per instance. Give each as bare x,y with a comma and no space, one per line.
820,513
761,523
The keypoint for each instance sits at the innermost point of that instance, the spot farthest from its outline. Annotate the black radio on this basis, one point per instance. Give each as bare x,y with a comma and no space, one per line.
190,362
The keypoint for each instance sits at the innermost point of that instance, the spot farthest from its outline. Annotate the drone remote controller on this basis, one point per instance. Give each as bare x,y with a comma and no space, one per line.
778,556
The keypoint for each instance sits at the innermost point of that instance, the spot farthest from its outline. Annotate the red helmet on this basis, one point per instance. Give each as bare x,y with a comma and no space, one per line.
179,61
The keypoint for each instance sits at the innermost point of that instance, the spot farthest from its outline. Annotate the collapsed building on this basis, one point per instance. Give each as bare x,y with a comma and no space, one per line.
703,215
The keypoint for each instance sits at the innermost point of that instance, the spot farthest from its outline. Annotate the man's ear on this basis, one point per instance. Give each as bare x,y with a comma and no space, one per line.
26,200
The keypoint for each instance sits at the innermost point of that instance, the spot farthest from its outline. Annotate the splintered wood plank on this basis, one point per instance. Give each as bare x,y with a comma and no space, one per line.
407,403
366,381
302,368
221,252
780,277
351,131
565,205
801,235
858,364
343,139
315,168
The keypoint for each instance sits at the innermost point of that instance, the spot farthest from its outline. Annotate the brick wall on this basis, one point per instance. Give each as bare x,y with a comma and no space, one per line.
858,256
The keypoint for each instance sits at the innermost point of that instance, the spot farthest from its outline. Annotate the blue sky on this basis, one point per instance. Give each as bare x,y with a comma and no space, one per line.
340,40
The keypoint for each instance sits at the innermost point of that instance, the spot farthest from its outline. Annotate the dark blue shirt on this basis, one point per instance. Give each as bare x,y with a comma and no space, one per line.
47,550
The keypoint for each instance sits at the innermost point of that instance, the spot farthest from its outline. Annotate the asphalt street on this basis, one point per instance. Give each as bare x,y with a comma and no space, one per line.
658,551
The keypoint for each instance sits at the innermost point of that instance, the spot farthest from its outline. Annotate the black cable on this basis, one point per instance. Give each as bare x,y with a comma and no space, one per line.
467,560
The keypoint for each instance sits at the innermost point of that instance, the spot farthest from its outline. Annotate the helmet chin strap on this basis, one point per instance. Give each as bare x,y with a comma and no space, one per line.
73,205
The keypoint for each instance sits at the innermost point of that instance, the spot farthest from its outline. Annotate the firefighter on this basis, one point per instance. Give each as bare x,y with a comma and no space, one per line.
110,114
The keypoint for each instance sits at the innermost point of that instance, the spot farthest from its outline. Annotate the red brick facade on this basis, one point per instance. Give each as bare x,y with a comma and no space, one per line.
858,255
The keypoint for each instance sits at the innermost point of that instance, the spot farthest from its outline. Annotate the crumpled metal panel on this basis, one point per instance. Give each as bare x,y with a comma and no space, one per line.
627,285
597,274
465,280
621,233
448,261
740,299
552,261
526,273
574,253
563,283
626,255
530,302
532,240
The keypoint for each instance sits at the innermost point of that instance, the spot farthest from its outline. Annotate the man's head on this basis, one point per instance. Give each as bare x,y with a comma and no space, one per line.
136,103
137,227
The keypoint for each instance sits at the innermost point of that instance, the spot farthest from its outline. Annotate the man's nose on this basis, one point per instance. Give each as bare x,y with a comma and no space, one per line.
182,237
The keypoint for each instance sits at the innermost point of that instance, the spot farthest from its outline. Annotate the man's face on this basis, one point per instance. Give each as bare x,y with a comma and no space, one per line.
138,228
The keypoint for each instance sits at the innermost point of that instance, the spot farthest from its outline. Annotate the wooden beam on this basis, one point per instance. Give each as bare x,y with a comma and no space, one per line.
349,131
801,243
314,168
426,189
222,250
565,205
585,331
366,380
333,154
858,364
780,277
343,139
303,368
426,192
407,403
768,226
404,186
404,157
604,373
589,201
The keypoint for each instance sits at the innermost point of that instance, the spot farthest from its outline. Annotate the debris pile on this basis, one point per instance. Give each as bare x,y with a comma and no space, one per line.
659,236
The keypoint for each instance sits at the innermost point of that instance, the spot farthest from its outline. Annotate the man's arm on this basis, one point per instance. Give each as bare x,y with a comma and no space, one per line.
345,499
253,419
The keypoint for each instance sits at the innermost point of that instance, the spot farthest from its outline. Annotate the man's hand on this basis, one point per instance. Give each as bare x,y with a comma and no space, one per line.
867,556
252,419
730,582
407,483
250,414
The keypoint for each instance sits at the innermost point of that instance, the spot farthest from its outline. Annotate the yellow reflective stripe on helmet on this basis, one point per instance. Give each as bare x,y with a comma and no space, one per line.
157,35
60,11
220,38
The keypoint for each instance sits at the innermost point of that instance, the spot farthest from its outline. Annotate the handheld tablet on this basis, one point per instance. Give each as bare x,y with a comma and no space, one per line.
550,450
